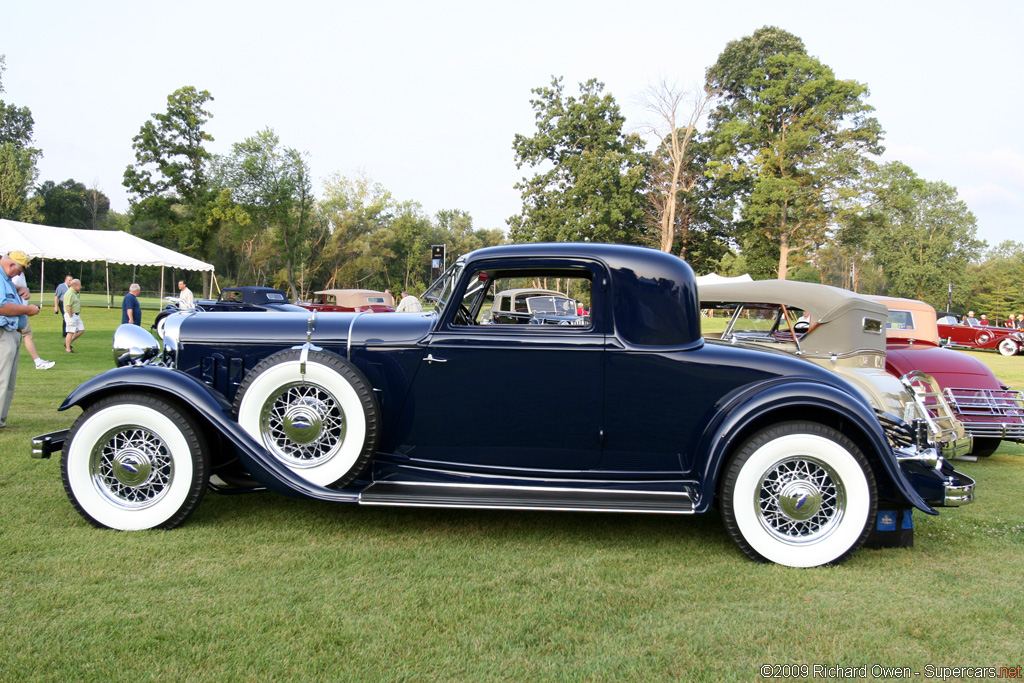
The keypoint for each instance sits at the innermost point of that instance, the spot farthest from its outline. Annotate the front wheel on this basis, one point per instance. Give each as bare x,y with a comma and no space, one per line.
799,494
134,461
1008,347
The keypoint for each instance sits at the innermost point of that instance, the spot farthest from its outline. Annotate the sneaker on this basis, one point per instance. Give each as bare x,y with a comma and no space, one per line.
44,364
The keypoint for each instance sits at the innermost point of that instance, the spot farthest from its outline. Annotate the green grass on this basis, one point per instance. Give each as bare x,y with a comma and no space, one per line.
268,588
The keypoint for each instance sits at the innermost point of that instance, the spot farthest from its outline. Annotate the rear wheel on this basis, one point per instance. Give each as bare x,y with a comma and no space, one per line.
1008,347
135,461
799,494
984,447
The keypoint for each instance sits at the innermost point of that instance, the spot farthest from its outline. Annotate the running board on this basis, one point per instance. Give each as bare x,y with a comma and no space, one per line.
423,494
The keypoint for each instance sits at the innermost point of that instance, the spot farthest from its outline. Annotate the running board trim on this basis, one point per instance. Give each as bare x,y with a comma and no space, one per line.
481,496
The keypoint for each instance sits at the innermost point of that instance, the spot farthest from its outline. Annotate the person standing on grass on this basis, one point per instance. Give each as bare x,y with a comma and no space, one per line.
131,309
14,314
58,303
186,302
72,314
26,332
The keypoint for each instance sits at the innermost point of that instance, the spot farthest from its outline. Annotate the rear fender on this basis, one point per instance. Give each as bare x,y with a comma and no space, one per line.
212,409
750,408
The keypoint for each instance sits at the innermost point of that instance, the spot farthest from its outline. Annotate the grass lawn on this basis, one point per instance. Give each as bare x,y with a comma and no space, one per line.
267,588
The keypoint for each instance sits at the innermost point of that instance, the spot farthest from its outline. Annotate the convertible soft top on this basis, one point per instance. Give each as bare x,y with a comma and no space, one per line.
841,321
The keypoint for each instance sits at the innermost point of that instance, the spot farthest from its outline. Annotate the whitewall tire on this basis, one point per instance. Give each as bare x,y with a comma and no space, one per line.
322,424
1008,347
134,461
799,494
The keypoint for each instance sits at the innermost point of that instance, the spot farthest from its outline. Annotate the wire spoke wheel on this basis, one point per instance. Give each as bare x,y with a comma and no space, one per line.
315,414
135,461
799,494
800,500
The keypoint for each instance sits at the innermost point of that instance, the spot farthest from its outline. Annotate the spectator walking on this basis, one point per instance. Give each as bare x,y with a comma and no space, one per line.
58,303
72,315
26,332
14,314
131,309
185,300
408,304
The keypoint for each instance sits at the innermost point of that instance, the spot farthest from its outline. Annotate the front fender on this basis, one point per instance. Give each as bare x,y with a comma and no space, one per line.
752,404
211,408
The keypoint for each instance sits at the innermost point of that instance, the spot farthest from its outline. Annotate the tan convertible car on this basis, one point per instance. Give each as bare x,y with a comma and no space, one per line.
844,332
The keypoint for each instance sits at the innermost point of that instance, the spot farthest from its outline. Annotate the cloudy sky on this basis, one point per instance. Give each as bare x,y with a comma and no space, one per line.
426,97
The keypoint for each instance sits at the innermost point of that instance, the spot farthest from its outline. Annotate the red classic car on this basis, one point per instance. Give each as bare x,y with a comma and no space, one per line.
989,409
965,334
350,300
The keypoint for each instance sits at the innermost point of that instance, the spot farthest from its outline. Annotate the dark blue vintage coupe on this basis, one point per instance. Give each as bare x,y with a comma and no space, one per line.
633,411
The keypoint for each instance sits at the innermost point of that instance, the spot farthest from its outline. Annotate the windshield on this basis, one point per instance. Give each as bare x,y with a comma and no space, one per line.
554,305
441,290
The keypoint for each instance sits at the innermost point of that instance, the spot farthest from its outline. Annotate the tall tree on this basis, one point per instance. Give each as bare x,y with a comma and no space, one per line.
676,113
921,234
591,175
18,159
167,185
794,137
272,184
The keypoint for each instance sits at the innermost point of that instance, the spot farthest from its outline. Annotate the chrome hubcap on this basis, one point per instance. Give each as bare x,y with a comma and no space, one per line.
131,467
302,424
800,500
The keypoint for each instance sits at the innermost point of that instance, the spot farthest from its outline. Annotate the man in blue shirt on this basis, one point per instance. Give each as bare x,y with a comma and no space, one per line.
131,309
14,314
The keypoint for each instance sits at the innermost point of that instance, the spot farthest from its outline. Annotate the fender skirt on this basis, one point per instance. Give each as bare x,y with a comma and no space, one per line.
210,407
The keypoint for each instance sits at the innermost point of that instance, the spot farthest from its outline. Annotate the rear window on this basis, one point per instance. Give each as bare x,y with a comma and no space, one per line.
901,320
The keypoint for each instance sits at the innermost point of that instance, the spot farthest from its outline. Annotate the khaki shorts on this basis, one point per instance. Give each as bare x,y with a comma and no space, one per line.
73,323
26,330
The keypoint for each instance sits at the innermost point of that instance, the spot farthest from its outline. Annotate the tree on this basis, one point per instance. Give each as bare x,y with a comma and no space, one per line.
168,184
71,205
921,235
170,158
673,174
18,159
273,186
792,136
592,188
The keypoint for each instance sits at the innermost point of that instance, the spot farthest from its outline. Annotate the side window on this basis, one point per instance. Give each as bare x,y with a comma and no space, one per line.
515,297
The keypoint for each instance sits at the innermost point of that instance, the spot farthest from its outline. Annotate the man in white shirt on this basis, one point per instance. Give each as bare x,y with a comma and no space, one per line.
186,302
409,304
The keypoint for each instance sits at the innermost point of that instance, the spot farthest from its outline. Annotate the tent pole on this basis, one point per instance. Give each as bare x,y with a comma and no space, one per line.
160,304
106,265
42,273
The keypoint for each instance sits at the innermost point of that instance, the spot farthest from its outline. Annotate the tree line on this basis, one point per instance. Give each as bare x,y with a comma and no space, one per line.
771,166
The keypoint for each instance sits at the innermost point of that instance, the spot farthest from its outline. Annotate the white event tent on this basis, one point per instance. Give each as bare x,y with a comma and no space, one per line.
110,246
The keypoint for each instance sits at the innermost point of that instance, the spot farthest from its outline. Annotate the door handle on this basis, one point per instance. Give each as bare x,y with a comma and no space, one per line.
430,359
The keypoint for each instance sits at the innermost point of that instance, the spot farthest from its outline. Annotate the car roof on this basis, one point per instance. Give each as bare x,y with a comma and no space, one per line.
352,297
925,320
838,314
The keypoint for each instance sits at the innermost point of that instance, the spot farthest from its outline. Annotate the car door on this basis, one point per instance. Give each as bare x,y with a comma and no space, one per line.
508,396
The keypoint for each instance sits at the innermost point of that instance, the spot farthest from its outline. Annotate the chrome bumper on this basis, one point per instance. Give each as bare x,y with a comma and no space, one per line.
46,444
954,449
934,478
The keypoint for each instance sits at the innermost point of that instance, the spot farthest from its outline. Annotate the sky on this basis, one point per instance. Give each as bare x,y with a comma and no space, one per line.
426,97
